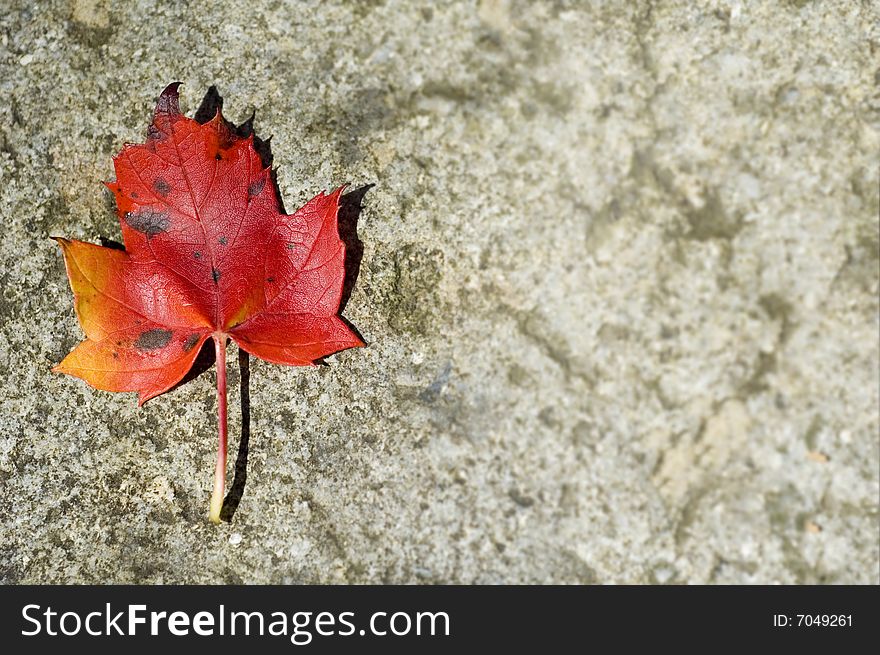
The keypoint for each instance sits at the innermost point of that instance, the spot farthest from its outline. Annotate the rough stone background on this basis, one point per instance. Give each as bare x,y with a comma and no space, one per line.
619,284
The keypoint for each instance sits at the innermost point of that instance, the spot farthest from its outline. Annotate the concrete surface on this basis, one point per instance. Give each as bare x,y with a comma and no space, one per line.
619,282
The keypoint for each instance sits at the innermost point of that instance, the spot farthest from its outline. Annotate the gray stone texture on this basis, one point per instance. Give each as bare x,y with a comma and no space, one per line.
619,284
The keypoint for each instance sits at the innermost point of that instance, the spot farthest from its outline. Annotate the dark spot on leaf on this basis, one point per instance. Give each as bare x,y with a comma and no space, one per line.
256,187
218,156
223,241
291,246
134,195
161,187
153,339
155,133
190,342
115,355
148,221
270,279
197,255
215,274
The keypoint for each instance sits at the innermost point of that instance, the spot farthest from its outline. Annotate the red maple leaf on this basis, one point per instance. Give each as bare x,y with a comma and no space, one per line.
208,254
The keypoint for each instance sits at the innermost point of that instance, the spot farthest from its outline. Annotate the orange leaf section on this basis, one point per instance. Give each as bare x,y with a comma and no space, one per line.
207,252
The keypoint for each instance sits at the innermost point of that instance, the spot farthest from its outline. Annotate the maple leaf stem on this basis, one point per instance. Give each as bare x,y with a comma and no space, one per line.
220,469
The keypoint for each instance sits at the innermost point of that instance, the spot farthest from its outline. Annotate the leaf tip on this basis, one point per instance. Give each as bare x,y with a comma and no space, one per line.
170,93
168,104
217,121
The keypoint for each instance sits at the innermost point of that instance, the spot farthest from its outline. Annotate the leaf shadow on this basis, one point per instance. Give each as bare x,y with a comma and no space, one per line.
350,208
111,243
203,362
236,491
